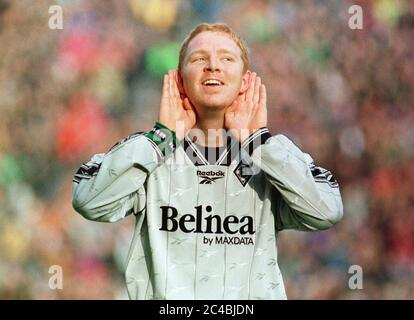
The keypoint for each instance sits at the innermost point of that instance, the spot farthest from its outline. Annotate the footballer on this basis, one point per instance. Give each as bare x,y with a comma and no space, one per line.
209,186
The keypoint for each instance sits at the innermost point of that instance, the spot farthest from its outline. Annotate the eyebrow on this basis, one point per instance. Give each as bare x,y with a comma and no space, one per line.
205,51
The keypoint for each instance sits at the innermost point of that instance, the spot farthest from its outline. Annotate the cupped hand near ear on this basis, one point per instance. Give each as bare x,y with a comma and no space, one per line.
248,112
176,111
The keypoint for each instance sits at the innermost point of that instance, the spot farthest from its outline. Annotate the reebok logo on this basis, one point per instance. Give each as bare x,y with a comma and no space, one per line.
208,177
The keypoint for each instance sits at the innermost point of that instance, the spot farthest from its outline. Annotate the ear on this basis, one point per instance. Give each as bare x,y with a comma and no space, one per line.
180,84
246,79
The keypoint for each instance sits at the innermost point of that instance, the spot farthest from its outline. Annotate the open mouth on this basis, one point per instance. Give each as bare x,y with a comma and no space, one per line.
212,83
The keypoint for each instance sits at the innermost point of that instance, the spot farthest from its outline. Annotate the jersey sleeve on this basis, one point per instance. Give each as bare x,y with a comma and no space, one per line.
111,186
305,196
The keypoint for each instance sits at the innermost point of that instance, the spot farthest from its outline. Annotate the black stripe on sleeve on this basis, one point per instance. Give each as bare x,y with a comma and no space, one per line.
256,139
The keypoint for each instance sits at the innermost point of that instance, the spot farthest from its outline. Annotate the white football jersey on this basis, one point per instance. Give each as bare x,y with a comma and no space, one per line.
206,229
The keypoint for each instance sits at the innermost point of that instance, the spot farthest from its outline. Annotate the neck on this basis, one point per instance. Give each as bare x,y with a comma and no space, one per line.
210,128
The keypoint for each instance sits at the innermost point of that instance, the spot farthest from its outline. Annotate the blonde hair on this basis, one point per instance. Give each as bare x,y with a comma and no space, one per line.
215,27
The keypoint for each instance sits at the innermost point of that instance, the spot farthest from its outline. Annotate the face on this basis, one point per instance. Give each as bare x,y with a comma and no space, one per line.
212,72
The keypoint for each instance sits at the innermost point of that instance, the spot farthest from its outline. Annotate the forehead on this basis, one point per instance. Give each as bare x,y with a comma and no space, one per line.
213,41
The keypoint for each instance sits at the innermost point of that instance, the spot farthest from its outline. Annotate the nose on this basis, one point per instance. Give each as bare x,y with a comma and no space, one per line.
212,65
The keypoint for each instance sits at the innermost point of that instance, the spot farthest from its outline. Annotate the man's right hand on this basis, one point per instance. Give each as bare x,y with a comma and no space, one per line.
175,113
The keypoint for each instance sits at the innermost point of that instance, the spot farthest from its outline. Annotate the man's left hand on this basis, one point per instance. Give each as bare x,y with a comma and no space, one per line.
248,112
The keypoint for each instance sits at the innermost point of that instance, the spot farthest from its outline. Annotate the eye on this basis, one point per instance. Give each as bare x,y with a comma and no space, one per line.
199,59
228,58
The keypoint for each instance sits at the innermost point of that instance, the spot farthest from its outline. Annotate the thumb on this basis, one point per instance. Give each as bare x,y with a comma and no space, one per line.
232,107
229,115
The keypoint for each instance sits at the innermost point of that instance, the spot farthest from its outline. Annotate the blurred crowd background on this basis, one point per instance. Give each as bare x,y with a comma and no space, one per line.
344,96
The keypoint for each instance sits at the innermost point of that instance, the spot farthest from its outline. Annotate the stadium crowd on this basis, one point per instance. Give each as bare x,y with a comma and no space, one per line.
344,96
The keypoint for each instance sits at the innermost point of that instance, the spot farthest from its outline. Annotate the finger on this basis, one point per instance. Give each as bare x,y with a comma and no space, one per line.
165,85
171,84
176,91
191,114
256,95
175,94
263,97
250,91
179,82
187,104
164,94
237,102
241,97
